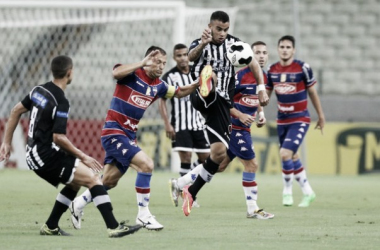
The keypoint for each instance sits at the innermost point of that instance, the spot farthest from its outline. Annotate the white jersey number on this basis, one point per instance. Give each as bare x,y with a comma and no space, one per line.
32,121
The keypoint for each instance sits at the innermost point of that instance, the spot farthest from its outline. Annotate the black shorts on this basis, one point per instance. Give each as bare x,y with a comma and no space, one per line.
191,141
59,170
216,111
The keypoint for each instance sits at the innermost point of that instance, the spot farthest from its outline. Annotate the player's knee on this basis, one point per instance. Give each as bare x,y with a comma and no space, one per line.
147,166
285,154
218,156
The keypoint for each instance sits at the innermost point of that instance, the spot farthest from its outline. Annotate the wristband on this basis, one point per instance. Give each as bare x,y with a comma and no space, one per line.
260,87
261,114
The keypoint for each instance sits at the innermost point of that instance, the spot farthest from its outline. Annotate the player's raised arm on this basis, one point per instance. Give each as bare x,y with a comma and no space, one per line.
186,90
14,118
197,51
313,94
258,74
123,70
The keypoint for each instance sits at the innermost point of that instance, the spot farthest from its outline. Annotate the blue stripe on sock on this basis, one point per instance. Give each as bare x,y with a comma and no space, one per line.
249,176
143,180
287,165
297,164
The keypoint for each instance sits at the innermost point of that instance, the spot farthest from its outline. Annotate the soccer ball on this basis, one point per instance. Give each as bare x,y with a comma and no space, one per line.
240,54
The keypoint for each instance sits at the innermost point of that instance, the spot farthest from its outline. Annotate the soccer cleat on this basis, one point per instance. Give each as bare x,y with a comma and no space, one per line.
307,199
174,191
287,200
260,214
76,215
205,81
57,231
187,201
123,230
149,222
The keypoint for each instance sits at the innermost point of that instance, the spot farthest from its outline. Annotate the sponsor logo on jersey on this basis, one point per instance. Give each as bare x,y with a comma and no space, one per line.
113,140
130,124
62,114
243,149
286,109
238,134
124,151
118,145
141,101
39,99
249,101
285,88
296,142
283,78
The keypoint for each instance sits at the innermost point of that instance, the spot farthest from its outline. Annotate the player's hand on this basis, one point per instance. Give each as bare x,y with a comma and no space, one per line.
206,36
246,119
263,98
261,120
320,124
170,133
150,59
5,152
92,163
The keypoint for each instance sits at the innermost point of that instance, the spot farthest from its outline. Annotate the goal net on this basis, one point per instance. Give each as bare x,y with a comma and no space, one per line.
96,35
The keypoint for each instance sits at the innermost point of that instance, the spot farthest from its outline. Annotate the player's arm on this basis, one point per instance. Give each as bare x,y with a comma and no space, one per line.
261,120
170,133
186,90
244,118
64,143
195,53
258,74
14,118
126,69
313,94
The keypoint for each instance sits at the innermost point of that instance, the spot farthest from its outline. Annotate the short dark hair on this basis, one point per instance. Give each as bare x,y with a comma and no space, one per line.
151,48
179,46
258,43
220,16
289,38
60,65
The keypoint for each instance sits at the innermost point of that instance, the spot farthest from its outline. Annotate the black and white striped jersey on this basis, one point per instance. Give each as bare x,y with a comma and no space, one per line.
215,55
49,111
183,115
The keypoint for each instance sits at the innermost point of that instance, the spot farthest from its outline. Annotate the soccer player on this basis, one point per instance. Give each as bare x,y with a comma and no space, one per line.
52,156
246,107
292,81
138,86
214,97
186,127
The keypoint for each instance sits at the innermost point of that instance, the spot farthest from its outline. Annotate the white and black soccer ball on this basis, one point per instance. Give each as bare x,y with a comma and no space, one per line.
239,54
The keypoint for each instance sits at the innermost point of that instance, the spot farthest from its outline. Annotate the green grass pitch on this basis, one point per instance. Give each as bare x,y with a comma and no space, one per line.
345,215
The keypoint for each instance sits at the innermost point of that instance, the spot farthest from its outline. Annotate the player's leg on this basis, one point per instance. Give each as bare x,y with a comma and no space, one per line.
185,158
287,165
142,186
85,177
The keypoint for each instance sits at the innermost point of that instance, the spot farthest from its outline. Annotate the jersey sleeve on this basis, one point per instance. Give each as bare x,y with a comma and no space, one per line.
27,102
194,44
309,76
60,118
167,91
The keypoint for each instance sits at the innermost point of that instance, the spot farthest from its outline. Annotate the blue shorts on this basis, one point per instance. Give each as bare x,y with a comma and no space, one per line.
240,145
292,135
119,150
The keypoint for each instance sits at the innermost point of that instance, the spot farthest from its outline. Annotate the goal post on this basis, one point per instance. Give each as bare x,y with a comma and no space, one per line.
96,35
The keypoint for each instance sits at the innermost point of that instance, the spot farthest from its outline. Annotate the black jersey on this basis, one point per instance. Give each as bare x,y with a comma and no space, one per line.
183,115
215,55
49,111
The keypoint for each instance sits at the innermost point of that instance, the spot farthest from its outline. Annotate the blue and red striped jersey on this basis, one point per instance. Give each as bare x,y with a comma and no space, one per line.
290,84
245,98
133,95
